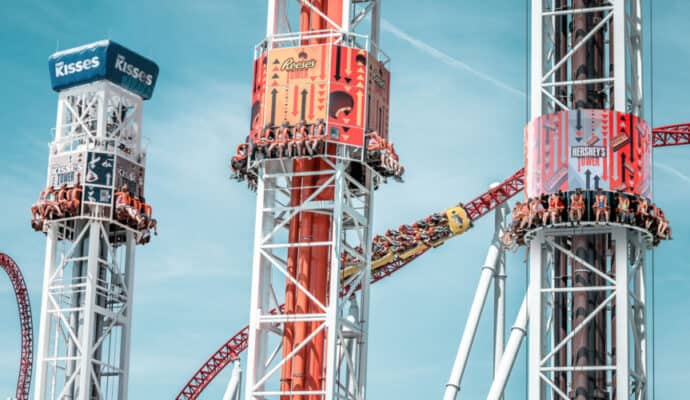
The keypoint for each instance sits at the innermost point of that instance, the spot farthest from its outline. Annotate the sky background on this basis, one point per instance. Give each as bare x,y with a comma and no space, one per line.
455,129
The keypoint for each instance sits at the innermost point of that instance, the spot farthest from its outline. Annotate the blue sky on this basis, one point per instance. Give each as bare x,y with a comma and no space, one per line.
456,132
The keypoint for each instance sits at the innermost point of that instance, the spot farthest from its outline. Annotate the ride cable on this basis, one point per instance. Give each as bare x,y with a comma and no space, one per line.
25,322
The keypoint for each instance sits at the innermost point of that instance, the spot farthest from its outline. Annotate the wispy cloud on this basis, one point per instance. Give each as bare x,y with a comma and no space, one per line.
448,59
673,171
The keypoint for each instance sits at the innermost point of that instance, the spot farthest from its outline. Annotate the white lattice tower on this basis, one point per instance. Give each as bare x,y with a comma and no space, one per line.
86,310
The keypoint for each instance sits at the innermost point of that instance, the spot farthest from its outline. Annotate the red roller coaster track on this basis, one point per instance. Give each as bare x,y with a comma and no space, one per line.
22,295
670,135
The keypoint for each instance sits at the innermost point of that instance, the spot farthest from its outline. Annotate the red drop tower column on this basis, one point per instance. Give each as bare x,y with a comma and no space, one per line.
318,148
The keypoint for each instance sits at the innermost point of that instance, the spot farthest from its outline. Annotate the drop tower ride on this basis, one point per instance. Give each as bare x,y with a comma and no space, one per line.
318,148
586,300
93,213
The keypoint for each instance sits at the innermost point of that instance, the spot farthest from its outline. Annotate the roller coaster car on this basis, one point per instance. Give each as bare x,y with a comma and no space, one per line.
458,221
352,269
418,249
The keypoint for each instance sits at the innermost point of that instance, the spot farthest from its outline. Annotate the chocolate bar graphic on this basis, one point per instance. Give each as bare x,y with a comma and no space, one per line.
619,141
557,179
620,187
629,168
593,140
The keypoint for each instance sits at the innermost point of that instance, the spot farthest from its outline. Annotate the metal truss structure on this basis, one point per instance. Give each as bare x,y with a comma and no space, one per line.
26,327
86,307
614,281
555,47
342,320
671,135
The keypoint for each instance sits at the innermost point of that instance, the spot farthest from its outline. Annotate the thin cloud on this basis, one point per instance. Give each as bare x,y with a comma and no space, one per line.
448,59
669,169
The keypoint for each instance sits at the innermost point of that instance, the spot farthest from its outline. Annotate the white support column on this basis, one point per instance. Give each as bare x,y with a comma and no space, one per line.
505,366
536,58
233,390
535,310
257,338
126,340
42,349
485,278
499,288
332,315
89,324
347,15
376,23
619,58
620,237
271,22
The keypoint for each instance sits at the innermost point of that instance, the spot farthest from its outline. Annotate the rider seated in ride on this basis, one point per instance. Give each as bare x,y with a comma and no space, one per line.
651,217
74,198
577,206
601,206
239,160
663,227
554,210
536,212
123,201
51,207
623,212
299,138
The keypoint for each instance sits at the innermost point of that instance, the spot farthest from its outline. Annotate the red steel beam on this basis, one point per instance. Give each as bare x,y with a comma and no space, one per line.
671,135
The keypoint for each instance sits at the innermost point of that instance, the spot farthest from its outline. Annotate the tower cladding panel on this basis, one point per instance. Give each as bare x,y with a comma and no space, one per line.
345,87
94,203
589,150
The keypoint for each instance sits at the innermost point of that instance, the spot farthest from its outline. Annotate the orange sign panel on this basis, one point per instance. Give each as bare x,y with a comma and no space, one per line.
343,86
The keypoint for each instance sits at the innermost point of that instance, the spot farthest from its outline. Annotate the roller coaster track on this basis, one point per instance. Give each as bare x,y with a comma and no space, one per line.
22,296
664,136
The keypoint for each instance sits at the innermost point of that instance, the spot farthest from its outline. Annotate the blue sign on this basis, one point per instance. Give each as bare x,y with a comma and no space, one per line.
103,60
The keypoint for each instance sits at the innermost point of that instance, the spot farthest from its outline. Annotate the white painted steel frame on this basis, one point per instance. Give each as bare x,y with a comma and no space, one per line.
493,271
625,84
86,307
279,32
625,291
343,319
85,322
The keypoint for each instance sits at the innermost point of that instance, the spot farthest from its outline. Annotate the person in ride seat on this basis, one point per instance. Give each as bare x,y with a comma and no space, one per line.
51,207
601,206
577,206
239,161
318,136
642,211
37,209
74,198
266,138
664,229
554,210
137,212
652,213
62,198
624,214
536,212
300,138
524,215
123,201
